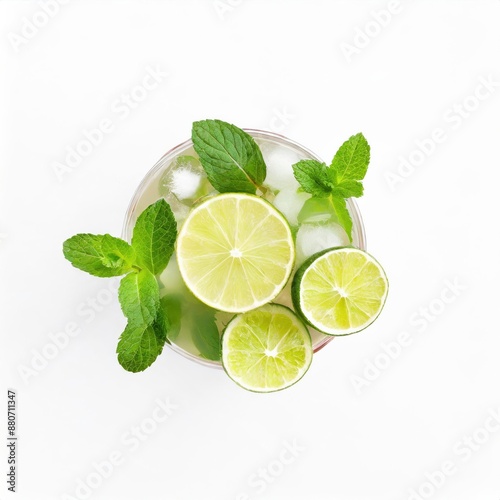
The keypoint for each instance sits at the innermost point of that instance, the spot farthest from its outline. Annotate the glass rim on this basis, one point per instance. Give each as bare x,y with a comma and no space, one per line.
256,133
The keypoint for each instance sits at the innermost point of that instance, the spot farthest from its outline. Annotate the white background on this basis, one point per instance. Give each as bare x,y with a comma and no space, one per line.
250,63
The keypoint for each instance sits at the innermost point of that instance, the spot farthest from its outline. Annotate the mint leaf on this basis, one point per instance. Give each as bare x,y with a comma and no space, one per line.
99,254
317,210
205,334
138,347
314,177
117,252
351,160
342,214
154,236
171,305
161,324
139,297
231,158
348,189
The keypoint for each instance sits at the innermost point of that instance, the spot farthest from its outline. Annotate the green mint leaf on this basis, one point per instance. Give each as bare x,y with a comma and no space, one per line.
117,253
139,297
231,158
314,177
342,214
171,305
154,236
161,324
138,347
99,254
351,160
205,334
317,210
348,189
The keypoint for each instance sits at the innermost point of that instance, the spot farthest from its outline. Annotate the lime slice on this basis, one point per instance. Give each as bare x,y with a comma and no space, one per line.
267,349
235,252
340,290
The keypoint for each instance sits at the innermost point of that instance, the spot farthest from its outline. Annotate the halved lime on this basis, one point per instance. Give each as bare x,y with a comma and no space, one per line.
267,349
340,290
235,252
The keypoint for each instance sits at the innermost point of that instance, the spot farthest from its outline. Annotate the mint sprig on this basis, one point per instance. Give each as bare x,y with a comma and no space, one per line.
230,157
341,180
139,294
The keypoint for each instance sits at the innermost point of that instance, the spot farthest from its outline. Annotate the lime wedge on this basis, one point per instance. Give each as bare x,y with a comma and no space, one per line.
267,349
235,252
340,291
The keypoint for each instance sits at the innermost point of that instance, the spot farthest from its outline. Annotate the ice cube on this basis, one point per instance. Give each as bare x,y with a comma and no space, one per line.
312,238
185,179
289,202
185,183
279,161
